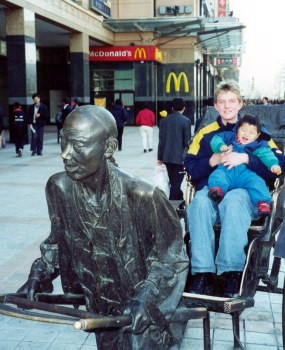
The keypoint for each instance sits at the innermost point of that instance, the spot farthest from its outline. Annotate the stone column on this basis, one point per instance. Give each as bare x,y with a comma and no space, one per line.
21,55
21,58
79,67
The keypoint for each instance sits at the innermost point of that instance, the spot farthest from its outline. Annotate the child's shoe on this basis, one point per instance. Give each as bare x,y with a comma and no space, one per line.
263,209
216,194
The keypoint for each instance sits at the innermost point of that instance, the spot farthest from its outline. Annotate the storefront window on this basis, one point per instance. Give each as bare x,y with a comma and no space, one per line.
112,80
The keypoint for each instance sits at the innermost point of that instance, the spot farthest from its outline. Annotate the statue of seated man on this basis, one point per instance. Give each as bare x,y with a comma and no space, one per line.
114,238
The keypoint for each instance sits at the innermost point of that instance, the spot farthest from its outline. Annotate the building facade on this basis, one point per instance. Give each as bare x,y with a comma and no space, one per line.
101,50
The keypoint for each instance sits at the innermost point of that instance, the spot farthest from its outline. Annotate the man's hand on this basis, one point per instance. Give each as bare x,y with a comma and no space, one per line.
141,318
30,288
233,159
215,159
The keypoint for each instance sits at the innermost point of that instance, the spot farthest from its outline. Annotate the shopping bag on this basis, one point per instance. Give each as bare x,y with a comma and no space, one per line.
161,179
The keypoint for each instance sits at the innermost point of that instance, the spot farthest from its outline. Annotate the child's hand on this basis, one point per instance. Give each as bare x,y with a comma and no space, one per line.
226,148
276,169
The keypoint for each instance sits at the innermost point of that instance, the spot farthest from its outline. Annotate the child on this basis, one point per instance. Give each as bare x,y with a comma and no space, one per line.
249,137
19,126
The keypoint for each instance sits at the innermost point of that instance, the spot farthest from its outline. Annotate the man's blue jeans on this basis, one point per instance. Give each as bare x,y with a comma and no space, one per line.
235,213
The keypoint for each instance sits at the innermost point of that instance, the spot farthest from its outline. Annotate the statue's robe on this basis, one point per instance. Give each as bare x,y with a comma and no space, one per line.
129,246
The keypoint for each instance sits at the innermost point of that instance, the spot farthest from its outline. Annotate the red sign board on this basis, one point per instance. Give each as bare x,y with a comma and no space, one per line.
227,61
222,8
125,53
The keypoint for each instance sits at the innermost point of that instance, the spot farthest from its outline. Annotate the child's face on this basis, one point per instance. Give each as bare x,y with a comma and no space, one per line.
247,133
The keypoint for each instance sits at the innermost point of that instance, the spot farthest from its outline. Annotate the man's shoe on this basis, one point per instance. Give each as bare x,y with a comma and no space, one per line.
33,154
216,194
39,154
144,151
202,284
263,209
150,150
20,152
233,284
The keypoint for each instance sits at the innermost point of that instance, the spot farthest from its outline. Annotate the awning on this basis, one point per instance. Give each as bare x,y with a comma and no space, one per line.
214,35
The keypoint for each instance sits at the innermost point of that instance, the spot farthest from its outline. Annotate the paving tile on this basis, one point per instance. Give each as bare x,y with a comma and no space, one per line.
32,345
8,344
261,338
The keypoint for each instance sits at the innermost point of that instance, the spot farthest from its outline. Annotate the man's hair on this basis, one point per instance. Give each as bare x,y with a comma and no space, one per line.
228,86
66,100
118,102
35,95
251,120
16,105
77,100
178,104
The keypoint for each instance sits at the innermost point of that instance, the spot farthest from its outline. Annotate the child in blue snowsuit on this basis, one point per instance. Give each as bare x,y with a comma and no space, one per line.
248,136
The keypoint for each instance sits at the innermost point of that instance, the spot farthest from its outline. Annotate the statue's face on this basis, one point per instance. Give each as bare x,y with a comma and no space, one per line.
83,147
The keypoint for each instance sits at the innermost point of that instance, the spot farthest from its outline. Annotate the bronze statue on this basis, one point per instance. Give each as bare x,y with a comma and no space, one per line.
114,238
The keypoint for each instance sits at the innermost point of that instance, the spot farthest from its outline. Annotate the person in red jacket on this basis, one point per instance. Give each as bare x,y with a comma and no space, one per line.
146,120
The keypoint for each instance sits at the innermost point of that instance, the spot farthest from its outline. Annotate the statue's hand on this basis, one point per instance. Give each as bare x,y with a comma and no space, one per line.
30,288
141,318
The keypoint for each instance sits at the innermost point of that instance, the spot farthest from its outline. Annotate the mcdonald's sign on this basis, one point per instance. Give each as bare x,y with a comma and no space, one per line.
177,82
140,53
125,53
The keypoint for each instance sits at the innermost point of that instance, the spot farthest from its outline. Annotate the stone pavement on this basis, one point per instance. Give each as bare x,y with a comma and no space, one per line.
24,223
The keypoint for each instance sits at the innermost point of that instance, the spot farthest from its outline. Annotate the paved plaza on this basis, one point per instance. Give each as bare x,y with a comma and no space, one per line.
24,224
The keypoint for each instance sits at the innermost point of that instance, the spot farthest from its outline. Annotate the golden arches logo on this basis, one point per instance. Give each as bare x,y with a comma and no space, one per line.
177,82
140,52
158,55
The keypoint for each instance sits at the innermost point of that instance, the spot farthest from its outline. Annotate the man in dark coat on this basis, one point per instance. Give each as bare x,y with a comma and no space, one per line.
66,108
114,238
1,121
174,135
37,119
19,128
120,115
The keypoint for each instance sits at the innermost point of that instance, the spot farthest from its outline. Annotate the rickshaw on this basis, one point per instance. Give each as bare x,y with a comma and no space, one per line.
261,265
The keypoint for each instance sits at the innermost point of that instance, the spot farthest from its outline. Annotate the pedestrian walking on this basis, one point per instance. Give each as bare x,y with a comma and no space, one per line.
1,126
19,125
174,135
120,115
146,120
37,119
66,108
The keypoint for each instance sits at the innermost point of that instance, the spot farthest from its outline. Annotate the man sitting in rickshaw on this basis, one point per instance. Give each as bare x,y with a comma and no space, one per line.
235,212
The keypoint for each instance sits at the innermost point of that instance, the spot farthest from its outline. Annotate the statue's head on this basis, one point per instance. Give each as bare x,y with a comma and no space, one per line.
89,137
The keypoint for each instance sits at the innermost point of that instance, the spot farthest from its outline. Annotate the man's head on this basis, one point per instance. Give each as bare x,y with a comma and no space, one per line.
16,105
178,105
248,129
65,101
36,98
265,100
119,102
89,137
228,101
77,100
